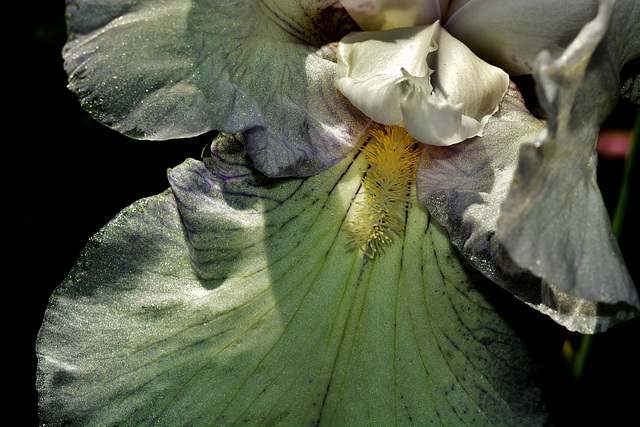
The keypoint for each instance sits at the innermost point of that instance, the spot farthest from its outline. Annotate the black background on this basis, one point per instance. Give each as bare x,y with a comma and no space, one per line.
68,176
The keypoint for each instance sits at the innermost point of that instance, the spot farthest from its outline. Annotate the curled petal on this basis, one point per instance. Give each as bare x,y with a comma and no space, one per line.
430,118
554,222
420,77
465,79
465,186
162,70
521,201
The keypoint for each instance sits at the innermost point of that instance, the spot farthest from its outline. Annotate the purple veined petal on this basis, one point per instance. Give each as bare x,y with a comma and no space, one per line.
376,15
163,70
510,33
279,324
554,221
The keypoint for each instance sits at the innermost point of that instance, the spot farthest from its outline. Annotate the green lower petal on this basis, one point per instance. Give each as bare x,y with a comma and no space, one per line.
288,327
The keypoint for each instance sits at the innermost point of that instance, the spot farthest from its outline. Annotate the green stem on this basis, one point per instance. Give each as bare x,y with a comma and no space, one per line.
580,357
621,206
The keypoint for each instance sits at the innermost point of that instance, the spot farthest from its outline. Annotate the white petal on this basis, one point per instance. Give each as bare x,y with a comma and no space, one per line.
466,79
430,118
374,53
370,68
421,77
388,93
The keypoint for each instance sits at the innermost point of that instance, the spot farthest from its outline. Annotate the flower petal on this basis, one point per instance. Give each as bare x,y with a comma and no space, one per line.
373,68
282,325
421,77
465,79
161,70
554,221
376,15
465,187
510,33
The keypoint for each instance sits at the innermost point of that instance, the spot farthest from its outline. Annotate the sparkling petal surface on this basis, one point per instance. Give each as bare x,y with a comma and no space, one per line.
278,322
554,221
171,69
466,186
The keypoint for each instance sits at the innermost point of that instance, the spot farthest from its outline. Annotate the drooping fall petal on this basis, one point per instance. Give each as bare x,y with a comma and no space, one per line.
279,323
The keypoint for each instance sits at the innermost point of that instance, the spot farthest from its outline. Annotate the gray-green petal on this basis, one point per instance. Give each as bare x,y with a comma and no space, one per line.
521,202
278,323
554,222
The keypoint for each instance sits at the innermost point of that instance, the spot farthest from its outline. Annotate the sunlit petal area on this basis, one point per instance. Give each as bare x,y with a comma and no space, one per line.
330,213
421,78
283,324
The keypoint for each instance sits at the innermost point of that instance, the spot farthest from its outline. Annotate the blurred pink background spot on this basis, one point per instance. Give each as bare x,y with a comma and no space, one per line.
614,143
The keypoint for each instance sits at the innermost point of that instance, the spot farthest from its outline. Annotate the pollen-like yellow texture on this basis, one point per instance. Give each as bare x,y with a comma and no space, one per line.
392,155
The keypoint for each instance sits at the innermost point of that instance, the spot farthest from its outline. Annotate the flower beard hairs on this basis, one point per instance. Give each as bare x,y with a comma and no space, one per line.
393,156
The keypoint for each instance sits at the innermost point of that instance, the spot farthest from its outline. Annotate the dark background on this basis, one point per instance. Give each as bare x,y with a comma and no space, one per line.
68,176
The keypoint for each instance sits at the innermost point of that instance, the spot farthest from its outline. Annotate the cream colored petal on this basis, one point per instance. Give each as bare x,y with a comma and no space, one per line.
376,15
431,118
466,79
388,93
421,77
375,53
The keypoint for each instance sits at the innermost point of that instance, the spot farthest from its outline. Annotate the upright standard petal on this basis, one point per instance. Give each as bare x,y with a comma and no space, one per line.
554,221
161,70
377,15
422,78
511,33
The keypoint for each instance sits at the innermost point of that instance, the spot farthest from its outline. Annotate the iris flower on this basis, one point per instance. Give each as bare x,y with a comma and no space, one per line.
317,267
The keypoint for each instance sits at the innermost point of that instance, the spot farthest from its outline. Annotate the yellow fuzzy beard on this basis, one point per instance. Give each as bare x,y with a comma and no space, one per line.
393,156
